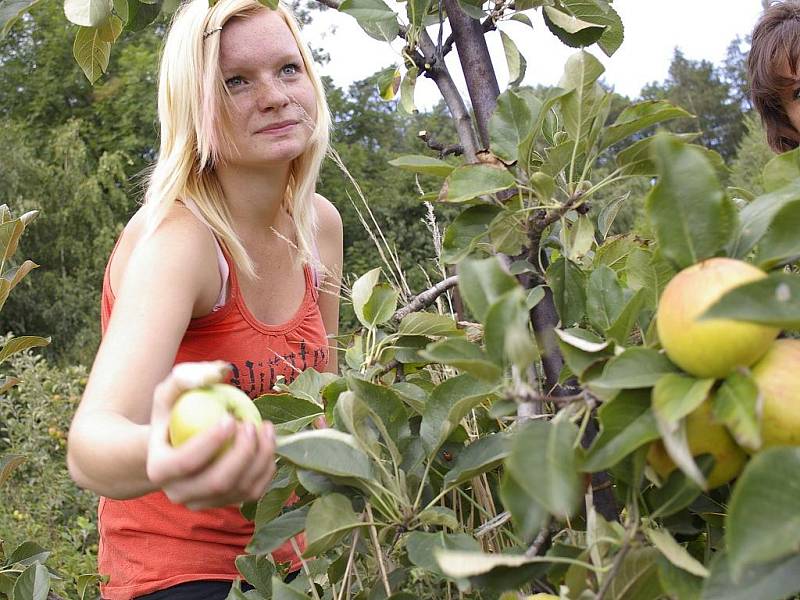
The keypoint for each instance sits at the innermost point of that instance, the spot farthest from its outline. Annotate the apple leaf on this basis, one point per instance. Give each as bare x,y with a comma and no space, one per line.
676,443
422,547
273,534
329,519
257,571
547,449
780,242
674,552
636,367
676,395
428,324
327,451
781,170
767,581
639,116
283,591
509,125
480,456
33,583
425,165
527,515
464,356
568,284
506,331
374,16
773,300
756,217
482,282
627,423
678,491
604,298
691,216
514,59
637,578
763,522
736,405
471,181
464,232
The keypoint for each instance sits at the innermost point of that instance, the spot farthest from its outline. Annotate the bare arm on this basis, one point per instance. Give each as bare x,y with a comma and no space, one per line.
117,441
330,249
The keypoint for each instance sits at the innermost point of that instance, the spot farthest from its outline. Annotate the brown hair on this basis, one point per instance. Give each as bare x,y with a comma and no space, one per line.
775,42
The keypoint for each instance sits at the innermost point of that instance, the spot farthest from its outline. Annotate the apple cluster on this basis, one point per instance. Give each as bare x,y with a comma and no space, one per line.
715,348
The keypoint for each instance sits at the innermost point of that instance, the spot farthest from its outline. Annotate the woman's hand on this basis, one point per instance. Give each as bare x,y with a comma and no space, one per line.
190,474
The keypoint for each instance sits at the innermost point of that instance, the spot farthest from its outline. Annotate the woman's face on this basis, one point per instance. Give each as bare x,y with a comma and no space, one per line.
790,100
272,97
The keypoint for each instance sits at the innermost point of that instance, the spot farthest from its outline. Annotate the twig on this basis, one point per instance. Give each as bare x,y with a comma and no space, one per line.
346,577
492,524
426,298
540,540
442,149
378,554
296,549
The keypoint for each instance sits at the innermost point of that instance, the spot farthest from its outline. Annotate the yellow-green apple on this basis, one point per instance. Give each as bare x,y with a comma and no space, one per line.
705,437
201,408
778,377
711,347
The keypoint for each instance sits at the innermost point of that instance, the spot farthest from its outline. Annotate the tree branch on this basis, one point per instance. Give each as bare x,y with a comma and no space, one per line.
426,298
454,149
487,25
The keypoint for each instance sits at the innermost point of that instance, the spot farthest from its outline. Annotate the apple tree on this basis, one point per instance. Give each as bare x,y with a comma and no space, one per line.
540,436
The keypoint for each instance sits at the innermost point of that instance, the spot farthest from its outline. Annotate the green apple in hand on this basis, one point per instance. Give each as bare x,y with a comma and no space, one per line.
202,408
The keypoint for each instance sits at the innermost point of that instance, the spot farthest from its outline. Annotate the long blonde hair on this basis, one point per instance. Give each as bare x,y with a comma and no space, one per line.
192,108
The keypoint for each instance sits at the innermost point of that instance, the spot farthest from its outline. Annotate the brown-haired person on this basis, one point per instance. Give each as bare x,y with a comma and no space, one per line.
773,69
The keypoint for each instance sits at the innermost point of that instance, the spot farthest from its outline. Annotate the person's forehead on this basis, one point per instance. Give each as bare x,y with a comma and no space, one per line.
263,32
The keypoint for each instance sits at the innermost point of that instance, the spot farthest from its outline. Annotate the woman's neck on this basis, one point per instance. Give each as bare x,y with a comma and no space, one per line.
254,197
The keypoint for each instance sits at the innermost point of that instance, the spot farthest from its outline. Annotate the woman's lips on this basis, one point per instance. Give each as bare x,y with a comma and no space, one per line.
278,128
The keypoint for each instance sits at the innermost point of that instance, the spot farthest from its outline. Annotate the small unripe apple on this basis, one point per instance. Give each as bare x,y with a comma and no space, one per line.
711,347
778,377
704,437
201,408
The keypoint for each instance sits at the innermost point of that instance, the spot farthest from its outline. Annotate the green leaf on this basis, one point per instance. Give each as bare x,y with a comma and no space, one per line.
141,14
464,232
676,395
257,571
780,243
374,16
678,491
373,303
635,368
439,516
407,86
283,408
690,214
772,581
87,585
460,564
639,116
9,462
600,13
87,13
674,552
273,535
609,213
329,519
91,53
621,328
637,578
20,344
781,170
463,355
428,324
514,59
735,405
581,349
110,29
327,451
308,385
506,331
572,31
568,284
32,584
425,165
482,282
368,410
422,547
471,181
763,522
271,504
283,591
509,125
578,239
756,217
648,271
580,106
388,82
11,11
546,448
604,298
450,402
480,456
677,582
626,424
773,300
28,553
527,515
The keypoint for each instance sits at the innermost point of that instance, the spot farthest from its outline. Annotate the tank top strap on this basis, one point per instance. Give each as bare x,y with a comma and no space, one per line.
222,264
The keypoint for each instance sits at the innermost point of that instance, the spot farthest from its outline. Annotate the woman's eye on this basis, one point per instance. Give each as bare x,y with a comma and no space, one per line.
796,94
234,81
290,69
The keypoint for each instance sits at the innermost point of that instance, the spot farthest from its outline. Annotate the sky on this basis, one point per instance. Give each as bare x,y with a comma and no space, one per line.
701,29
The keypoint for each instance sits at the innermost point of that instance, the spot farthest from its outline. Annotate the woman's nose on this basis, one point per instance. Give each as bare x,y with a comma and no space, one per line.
272,94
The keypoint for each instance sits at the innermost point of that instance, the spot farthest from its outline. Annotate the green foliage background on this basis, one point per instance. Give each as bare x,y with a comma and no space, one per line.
78,152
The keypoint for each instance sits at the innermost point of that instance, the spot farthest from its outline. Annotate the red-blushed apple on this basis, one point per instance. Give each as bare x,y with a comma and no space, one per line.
711,347
778,377
705,437
201,408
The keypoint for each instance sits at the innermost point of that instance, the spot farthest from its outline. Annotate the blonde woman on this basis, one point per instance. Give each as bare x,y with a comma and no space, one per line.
229,271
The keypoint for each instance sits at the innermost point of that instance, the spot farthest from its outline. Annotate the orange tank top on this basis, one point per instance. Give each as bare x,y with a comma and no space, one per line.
149,543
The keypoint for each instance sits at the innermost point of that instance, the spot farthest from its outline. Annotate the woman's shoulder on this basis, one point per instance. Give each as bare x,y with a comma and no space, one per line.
328,218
